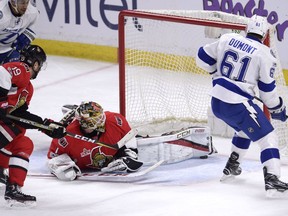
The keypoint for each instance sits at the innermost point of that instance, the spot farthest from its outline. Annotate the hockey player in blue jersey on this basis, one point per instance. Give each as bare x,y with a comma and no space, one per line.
17,21
239,66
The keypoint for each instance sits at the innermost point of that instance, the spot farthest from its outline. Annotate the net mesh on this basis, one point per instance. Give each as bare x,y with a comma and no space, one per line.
164,89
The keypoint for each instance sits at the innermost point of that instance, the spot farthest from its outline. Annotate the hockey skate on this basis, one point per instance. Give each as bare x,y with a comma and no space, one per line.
273,186
232,168
3,176
15,198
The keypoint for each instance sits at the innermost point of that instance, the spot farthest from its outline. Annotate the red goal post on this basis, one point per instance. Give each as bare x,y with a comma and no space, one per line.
160,85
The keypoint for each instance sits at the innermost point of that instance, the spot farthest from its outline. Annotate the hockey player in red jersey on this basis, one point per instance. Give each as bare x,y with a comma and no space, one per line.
16,91
68,156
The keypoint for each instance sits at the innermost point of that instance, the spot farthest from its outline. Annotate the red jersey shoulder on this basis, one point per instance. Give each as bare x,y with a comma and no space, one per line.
115,119
19,72
116,122
74,127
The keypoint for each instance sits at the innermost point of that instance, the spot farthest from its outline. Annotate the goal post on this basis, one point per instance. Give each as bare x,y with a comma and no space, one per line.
160,85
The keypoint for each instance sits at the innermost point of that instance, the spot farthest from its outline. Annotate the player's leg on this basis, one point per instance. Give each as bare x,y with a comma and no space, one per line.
21,149
250,119
4,161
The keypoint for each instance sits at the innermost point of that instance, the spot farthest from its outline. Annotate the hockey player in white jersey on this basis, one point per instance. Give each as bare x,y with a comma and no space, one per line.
17,20
239,66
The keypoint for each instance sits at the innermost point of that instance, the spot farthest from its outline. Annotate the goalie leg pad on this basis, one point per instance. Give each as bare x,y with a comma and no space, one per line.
64,168
194,142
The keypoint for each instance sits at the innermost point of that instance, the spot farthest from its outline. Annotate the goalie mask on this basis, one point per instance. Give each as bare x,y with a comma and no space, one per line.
91,117
257,25
35,57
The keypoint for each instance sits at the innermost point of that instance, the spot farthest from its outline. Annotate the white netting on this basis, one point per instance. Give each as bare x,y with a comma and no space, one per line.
280,127
164,88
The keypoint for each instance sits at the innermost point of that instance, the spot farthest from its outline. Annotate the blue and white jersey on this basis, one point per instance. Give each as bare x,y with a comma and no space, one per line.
238,66
11,26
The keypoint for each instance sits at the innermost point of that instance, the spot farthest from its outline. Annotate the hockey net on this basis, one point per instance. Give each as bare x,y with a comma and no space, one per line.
160,85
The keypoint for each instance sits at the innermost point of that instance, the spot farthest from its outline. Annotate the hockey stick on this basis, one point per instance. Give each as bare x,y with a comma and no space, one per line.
110,176
132,133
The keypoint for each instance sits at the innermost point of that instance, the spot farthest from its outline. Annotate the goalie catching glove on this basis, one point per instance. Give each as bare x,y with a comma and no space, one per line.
128,163
64,168
278,112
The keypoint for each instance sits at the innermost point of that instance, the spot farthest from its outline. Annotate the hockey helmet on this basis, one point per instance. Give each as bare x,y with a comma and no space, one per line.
257,25
34,56
91,116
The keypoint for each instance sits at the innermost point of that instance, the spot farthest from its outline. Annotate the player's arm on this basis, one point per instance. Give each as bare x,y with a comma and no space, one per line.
57,130
206,58
24,39
24,113
268,89
5,84
125,161
126,158
120,130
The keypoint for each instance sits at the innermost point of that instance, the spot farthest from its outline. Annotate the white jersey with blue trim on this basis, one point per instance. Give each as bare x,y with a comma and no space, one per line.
12,26
238,66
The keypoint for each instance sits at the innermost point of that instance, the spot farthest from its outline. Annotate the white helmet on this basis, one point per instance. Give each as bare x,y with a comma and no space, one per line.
257,25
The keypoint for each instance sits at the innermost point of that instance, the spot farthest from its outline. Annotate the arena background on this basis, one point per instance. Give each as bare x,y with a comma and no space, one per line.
89,29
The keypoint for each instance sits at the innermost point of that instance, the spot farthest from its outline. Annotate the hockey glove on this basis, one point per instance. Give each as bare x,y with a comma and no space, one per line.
278,112
57,130
127,163
21,42
24,39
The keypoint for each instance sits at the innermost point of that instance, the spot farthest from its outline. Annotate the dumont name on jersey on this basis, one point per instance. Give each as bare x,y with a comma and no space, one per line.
241,46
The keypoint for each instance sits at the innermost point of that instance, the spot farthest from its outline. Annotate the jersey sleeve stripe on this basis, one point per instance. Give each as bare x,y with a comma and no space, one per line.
266,87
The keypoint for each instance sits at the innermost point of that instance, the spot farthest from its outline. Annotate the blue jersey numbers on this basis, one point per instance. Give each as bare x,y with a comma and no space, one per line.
230,67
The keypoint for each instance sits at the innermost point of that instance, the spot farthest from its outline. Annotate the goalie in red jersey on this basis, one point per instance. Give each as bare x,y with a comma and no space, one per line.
16,91
68,156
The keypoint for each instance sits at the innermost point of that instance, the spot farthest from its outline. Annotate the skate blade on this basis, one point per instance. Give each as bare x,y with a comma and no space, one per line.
276,194
227,178
16,204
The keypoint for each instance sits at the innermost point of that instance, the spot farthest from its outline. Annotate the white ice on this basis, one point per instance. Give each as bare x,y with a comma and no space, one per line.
187,188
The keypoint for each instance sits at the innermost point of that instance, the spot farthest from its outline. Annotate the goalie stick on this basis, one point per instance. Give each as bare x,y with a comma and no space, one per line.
110,176
132,133
165,137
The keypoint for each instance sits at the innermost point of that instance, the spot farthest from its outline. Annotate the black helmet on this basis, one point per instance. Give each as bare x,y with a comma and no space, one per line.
34,56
